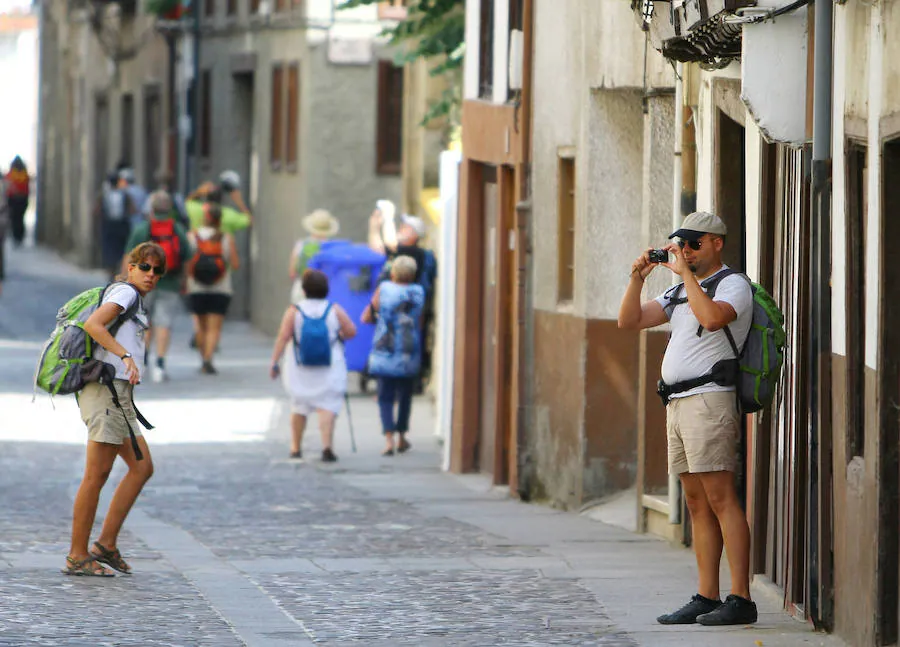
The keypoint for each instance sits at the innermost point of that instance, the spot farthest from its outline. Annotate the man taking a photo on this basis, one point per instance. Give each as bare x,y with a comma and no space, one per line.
702,420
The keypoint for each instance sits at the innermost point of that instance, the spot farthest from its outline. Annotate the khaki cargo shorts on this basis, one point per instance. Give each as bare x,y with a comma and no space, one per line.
105,421
703,433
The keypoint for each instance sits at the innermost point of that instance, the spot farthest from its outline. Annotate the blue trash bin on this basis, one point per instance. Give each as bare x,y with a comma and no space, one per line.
352,271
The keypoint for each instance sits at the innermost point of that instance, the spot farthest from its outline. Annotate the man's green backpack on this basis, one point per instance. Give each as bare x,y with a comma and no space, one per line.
761,358
67,361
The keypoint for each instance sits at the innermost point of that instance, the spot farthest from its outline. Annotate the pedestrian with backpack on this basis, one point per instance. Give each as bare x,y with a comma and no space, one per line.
396,310
700,371
18,190
209,285
410,233
315,373
164,303
320,225
117,326
115,207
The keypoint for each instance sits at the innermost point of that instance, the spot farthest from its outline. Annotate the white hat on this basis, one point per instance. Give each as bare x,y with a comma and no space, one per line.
229,180
416,223
321,223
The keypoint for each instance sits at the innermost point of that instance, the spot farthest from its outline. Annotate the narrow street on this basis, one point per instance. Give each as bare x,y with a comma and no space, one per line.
232,543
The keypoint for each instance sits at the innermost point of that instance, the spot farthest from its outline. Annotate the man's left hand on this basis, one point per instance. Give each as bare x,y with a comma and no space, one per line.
679,266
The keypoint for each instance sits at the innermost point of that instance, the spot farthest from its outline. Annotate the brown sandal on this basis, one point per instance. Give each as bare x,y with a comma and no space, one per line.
112,558
88,567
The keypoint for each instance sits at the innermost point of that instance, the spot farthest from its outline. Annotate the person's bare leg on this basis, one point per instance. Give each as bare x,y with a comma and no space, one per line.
163,337
723,500
139,472
298,426
98,464
706,535
200,333
211,335
326,428
195,322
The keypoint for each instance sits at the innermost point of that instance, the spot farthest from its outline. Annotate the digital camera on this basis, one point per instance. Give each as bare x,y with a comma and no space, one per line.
658,256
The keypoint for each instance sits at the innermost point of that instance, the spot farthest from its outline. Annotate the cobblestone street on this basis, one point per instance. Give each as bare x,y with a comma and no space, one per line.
232,543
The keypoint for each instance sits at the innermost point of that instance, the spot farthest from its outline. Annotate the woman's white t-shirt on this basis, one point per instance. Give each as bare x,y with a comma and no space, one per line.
131,332
312,383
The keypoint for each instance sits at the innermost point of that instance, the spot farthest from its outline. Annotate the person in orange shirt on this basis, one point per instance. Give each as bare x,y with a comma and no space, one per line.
18,189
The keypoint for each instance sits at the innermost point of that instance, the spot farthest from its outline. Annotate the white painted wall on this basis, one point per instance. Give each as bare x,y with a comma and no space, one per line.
327,21
777,100
873,232
446,331
705,127
839,186
614,48
470,69
752,180
18,117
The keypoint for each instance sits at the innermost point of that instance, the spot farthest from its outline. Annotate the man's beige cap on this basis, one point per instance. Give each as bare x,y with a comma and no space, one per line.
698,223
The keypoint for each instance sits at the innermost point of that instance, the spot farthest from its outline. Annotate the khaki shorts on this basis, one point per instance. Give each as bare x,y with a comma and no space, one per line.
703,431
105,421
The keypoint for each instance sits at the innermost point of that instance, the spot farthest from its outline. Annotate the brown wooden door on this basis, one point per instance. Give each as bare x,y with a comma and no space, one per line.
786,507
888,567
489,312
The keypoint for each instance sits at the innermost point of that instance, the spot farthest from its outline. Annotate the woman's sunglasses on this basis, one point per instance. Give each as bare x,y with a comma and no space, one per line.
146,267
693,244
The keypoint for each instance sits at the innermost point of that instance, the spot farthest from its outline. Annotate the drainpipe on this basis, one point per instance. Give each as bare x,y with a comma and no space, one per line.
820,317
674,482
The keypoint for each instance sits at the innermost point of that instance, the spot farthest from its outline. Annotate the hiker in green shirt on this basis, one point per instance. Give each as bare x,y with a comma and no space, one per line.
233,220
164,303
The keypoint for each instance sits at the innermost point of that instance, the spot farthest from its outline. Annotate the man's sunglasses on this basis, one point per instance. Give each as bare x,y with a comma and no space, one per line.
693,244
146,267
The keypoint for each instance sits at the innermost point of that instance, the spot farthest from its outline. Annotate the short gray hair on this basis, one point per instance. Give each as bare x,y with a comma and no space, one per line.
403,269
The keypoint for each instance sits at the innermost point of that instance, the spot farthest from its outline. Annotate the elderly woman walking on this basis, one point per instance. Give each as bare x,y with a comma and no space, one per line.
396,357
315,376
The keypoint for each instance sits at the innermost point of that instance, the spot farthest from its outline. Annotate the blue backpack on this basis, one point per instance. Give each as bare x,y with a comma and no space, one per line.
314,346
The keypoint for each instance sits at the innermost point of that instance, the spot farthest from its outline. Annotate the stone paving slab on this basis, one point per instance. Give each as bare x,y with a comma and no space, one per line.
46,608
462,608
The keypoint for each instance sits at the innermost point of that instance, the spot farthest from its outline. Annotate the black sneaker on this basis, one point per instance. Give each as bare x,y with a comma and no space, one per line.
296,454
328,456
687,615
734,611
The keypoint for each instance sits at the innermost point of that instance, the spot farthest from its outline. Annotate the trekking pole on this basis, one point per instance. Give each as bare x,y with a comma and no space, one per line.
350,422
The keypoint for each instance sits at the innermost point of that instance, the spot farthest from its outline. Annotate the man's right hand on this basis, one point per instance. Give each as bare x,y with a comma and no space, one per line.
642,265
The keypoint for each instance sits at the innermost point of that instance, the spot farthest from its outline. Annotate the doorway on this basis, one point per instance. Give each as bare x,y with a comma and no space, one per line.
243,144
489,317
153,133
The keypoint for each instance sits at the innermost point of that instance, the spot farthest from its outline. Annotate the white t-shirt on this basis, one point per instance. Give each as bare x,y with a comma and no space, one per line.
689,356
312,383
130,334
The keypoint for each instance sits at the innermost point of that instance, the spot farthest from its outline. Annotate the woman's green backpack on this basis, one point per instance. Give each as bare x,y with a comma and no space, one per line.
66,363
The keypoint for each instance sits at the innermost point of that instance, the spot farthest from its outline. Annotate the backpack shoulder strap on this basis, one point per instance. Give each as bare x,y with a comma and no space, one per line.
129,313
713,282
672,298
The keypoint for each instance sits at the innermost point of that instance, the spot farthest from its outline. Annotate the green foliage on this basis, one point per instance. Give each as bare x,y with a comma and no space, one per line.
434,30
